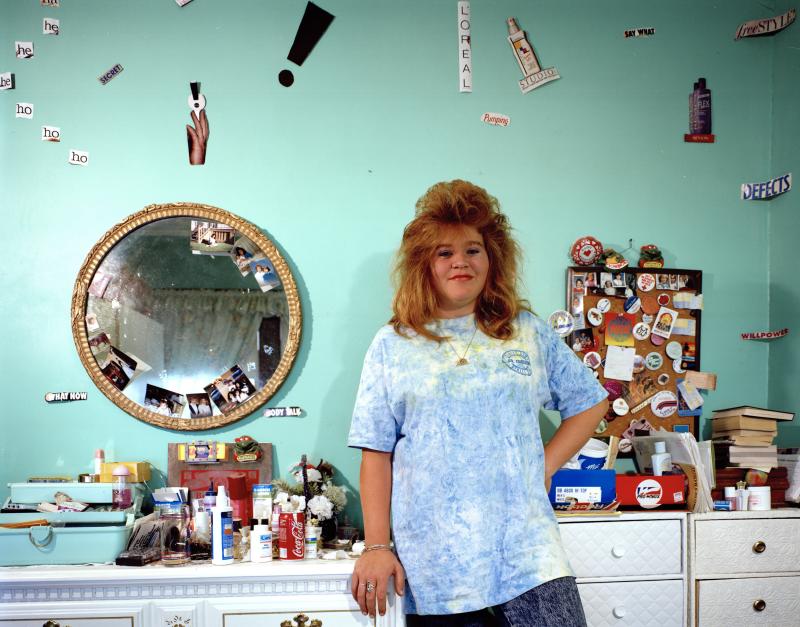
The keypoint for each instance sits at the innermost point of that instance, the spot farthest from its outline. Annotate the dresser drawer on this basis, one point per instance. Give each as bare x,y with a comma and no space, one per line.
768,601
639,603
624,548
755,545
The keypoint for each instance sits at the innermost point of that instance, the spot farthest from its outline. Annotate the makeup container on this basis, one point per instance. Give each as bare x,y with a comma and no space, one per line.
760,498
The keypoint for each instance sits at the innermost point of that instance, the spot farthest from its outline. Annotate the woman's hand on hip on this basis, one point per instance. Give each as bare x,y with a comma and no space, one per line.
371,580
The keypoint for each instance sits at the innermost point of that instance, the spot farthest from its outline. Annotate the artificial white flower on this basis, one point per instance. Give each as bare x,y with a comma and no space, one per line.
321,507
281,498
298,503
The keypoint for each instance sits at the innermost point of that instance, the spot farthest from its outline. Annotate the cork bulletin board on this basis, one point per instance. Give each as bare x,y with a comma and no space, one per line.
638,329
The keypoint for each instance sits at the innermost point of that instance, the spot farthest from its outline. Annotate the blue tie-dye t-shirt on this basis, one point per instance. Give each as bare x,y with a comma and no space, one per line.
471,520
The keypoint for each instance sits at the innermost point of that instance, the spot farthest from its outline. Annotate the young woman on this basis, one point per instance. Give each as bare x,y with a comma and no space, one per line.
447,417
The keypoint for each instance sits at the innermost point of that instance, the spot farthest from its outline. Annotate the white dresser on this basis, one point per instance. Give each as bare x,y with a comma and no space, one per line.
240,595
631,569
745,568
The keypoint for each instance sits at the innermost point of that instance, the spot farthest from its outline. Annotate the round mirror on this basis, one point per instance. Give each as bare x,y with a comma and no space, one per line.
186,316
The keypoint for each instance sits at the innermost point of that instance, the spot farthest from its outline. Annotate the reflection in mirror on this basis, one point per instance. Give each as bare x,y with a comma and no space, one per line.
188,318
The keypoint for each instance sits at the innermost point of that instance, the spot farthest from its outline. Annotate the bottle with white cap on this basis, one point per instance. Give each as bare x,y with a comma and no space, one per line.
661,460
222,530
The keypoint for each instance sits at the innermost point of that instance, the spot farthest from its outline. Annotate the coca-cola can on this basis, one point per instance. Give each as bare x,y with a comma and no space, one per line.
292,532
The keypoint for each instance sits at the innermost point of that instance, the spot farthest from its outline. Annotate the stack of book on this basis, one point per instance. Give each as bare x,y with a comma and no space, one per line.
743,436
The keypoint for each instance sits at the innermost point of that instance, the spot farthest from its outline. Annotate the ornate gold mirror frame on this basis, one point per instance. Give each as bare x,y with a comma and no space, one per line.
150,214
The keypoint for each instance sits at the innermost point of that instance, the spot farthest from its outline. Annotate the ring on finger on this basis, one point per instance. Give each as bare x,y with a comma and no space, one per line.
370,586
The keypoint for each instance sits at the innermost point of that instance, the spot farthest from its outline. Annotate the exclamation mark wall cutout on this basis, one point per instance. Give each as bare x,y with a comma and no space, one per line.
312,27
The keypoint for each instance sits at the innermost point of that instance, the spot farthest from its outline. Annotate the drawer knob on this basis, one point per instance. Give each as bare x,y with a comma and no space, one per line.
619,612
759,547
618,551
760,605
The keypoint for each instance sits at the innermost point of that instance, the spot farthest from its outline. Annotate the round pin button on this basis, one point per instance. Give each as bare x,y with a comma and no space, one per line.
677,366
620,407
663,378
594,316
625,445
663,299
664,404
614,389
592,359
645,282
632,304
641,331
603,305
656,340
561,322
650,304
602,426
648,319
638,364
674,350
653,361
586,250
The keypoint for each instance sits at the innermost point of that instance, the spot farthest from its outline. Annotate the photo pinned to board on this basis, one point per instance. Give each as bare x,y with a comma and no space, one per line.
211,238
579,283
119,368
617,284
583,340
164,402
199,405
264,273
242,253
230,389
576,309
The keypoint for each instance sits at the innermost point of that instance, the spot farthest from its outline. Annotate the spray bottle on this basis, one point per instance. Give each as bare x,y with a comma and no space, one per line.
222,530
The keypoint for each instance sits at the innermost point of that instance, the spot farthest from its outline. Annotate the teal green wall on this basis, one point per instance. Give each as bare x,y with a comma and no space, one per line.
332,166
783,214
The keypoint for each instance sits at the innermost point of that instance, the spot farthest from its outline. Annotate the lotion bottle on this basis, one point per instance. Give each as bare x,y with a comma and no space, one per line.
222,530
661,460
523,51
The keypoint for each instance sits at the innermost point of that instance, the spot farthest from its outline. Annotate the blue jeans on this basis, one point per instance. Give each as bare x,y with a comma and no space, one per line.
555,603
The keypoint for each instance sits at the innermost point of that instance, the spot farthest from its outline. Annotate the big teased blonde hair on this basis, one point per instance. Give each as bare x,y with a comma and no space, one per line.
453,204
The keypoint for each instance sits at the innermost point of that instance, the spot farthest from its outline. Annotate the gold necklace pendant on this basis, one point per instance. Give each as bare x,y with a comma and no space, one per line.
461,360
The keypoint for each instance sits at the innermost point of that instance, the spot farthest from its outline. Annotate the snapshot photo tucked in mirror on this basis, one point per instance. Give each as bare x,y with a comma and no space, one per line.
189,319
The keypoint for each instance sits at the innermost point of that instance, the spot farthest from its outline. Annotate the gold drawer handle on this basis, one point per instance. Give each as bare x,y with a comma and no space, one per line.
301,620
759,605
759,547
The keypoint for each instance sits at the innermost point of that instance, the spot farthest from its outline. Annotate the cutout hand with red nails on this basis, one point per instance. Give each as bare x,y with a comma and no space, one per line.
197,136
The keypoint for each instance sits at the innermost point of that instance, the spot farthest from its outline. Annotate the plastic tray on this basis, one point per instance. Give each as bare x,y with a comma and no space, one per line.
62,545
67,518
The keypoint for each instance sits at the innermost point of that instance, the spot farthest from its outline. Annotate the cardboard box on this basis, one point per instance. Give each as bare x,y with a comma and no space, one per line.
140,471
583,486
648,491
